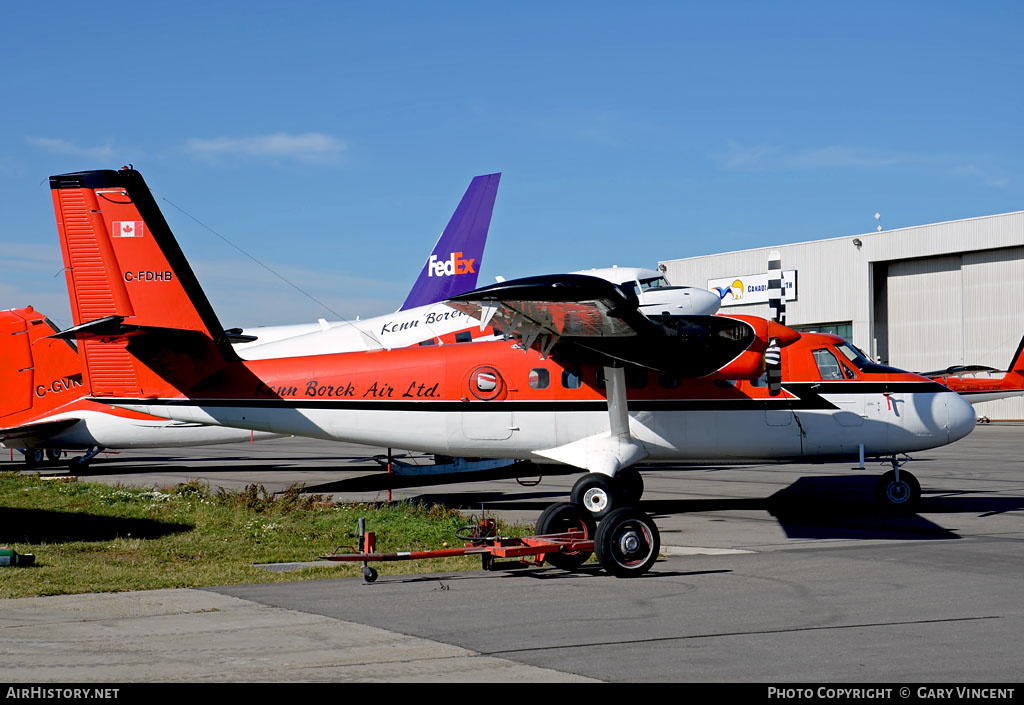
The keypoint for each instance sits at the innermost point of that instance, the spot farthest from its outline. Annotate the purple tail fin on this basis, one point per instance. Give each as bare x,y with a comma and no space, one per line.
452,266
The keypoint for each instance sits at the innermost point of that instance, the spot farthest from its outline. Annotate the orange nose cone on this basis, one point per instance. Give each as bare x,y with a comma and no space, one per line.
786,336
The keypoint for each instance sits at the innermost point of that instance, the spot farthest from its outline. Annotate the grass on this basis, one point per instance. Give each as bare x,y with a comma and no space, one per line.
91,537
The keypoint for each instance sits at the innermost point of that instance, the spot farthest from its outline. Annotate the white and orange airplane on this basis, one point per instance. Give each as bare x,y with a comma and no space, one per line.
44,412
978,383
583,377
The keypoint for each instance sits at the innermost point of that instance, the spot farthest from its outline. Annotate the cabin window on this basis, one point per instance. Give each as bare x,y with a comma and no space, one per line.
636,377
486,383
428,342
667,380
464,336
828,365
539,378
571,379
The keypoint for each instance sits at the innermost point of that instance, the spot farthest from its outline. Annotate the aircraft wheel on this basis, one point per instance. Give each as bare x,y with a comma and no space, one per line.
596,493
560,518
631,485
627,543
79,462
34,457
902,496
53,454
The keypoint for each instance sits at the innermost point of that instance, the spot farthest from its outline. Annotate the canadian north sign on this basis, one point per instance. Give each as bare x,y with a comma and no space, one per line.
751,288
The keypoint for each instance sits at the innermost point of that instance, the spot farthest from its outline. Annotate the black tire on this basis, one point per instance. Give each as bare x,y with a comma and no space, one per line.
901,497
79,462
627,543
597,494
631,486
53,455
560,518
34,457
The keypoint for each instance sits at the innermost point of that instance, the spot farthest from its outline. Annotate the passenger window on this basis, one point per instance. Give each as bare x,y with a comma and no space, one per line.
464,336
668,381
636,377
828,365
429,342
539,378
571,379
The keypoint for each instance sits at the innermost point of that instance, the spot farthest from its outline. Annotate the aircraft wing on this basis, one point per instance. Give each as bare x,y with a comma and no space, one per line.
576,318
35,432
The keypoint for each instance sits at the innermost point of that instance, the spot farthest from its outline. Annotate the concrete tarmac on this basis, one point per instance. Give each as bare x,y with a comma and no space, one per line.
773,573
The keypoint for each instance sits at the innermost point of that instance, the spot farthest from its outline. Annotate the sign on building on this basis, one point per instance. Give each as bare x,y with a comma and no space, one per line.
751,288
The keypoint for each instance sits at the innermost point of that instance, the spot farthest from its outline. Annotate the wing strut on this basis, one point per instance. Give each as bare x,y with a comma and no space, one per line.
606,453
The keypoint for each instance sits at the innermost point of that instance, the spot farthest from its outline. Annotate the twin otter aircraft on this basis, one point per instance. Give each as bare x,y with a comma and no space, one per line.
582,377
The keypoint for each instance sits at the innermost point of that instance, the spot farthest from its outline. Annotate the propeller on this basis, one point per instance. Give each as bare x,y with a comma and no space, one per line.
777,303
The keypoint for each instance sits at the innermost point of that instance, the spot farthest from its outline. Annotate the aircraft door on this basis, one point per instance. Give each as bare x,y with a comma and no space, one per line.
16,372
486,418
851,406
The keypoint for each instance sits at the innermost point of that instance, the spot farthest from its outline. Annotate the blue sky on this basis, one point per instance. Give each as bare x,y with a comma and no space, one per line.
333,140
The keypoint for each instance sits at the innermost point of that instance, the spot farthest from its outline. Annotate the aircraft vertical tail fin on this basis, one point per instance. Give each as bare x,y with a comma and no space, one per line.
37,373
452,267
1015,372
134,297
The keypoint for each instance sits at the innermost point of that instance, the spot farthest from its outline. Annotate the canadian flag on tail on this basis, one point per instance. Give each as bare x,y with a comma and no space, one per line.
128,228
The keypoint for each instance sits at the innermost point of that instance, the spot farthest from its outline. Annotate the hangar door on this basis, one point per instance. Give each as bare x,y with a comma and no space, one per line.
956,310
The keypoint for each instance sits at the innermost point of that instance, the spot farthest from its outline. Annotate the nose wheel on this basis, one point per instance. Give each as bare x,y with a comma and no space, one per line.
898,490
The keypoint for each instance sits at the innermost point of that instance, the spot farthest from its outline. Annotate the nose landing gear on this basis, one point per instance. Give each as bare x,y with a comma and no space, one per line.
898,490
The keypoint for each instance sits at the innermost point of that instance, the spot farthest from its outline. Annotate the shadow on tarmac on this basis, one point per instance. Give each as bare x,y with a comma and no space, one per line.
812,507
35,526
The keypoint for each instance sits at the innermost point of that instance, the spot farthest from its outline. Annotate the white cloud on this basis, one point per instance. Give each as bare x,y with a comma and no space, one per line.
60,146
311,147
740,157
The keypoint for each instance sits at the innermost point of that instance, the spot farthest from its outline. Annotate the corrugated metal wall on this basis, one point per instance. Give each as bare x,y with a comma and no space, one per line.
951,293
959,310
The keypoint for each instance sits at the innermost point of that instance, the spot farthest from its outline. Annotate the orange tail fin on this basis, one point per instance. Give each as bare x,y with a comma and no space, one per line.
145,326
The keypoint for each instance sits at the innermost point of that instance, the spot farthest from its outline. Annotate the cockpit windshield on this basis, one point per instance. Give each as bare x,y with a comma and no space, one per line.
859,360
656,283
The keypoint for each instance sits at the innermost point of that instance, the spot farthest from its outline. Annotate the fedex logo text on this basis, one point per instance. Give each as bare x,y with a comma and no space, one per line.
446,268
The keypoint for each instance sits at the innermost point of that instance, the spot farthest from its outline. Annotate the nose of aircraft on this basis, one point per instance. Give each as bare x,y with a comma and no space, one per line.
961,416
705,302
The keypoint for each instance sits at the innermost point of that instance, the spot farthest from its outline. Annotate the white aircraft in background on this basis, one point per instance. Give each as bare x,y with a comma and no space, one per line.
43,409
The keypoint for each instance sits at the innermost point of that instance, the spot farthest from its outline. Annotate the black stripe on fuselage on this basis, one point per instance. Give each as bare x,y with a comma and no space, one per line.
808,397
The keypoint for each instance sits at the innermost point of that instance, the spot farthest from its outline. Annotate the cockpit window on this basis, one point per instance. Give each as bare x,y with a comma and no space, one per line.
656,283
645,284
859,360
828,365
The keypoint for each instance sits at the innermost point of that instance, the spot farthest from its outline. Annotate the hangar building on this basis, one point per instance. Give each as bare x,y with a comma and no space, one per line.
921,298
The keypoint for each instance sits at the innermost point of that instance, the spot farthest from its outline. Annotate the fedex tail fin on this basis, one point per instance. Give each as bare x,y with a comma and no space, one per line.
130,283
452,266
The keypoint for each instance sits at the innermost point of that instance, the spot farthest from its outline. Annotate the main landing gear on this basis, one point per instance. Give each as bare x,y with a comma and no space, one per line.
601,495
34,457
898,490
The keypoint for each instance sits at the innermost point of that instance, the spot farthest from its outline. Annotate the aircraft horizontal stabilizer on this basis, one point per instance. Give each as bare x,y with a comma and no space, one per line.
36,432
